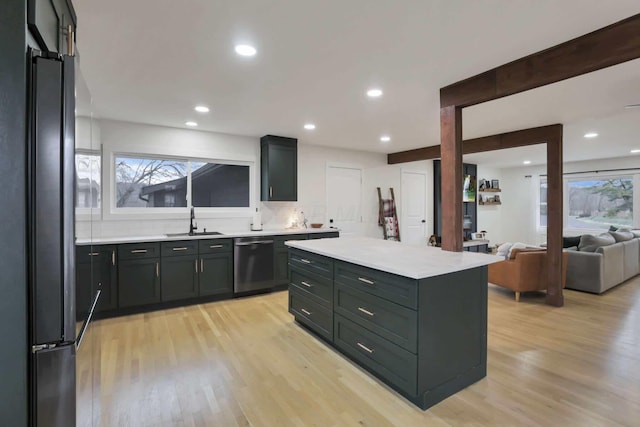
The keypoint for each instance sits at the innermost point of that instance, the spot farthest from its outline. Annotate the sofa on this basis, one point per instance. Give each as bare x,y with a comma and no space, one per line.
525,270
604,261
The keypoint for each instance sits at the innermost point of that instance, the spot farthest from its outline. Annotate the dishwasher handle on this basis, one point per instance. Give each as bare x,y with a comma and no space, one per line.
258,242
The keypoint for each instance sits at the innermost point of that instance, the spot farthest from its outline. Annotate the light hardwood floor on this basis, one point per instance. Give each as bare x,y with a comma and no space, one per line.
244,362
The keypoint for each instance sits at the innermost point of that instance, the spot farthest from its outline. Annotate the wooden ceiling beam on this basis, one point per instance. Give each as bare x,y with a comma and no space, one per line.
520,138
608,46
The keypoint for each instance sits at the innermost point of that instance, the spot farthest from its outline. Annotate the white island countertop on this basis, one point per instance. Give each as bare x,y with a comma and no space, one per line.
413,261
185,236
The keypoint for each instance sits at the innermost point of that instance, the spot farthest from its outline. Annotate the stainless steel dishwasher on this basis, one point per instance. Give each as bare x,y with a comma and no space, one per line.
253,264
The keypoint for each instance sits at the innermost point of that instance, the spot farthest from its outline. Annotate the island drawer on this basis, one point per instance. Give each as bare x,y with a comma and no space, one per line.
181,247
139,250
311,262
312,283
401,290
214,246
394,322
312,314
394,364
278,241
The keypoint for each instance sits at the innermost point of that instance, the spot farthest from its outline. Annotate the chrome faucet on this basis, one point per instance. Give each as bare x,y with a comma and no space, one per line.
191,226
304,219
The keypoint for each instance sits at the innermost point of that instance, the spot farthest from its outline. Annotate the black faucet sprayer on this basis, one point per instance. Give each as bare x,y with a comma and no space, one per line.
191,226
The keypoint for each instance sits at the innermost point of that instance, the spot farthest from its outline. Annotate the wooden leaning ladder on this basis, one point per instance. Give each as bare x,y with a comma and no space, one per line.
387,212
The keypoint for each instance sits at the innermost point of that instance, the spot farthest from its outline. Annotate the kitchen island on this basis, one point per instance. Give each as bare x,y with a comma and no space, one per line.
413,316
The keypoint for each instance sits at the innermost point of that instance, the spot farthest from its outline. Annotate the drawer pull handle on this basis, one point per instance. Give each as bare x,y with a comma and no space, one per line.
201,265
306,284
180,249
367,281
308,313
365,311
113,257
139,251
306,261
365,348
215,246
94,253
196,265
157,269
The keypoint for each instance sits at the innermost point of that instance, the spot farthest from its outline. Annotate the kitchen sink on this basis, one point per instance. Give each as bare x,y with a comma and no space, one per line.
196,233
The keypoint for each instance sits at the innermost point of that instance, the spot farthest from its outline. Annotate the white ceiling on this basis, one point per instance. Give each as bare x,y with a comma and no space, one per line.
152,61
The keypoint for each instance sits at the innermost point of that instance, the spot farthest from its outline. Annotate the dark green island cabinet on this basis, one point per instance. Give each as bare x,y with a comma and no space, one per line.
426,337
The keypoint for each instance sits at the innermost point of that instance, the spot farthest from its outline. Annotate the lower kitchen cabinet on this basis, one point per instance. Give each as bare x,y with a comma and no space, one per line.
216,274
108,279
95,269
138,282
179,277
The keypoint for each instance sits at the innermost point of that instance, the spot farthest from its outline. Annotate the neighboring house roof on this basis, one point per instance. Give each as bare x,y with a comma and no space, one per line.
177,183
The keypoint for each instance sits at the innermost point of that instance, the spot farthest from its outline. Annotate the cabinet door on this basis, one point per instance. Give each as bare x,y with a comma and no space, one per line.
283,173
138,282
84,284
216,274
281,266
179,277
107,280
279,168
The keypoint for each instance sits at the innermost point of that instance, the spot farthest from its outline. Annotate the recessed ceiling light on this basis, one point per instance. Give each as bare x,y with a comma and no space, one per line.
245,50
590,135
635,151
527,162
309,126
374,93
191,124
202,109
632,106
385,138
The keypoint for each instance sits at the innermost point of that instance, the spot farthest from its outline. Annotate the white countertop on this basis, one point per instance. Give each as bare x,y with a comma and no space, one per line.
166,238
413,261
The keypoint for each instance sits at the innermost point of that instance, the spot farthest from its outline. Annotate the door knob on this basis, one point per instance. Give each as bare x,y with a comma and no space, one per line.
423,221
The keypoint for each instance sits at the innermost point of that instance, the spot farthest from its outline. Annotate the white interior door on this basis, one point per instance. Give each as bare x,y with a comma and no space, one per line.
344,199
414,207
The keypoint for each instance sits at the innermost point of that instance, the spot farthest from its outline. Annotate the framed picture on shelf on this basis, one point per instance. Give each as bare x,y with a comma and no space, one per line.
496,198
495,183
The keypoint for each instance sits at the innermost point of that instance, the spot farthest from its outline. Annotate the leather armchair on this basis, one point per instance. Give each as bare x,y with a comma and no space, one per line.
525,271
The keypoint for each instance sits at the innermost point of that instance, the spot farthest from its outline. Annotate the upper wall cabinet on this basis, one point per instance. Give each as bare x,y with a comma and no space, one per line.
52,24
279,169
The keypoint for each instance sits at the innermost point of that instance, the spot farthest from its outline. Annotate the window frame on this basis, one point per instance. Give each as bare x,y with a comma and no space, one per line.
115,212
623,173
89,214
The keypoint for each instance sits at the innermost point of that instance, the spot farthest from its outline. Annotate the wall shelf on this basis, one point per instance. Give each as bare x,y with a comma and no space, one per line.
489,203
489,190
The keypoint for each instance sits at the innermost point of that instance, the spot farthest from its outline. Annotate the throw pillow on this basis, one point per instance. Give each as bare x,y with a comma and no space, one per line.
518,245
636,233
622,236
589,243
567,242
503,249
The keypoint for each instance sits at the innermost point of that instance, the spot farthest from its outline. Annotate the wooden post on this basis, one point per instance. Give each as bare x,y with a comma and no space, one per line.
554,221
451,177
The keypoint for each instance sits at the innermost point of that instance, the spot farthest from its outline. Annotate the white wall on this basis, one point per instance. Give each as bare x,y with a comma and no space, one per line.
519,195
124,137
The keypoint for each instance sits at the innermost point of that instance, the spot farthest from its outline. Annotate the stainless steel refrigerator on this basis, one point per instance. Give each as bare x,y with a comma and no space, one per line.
50,200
